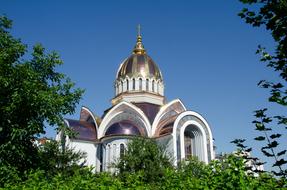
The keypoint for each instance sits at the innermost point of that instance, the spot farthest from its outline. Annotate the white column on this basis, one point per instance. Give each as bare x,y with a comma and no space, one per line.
120,87
150,86
144,85
130,85
156,87
125,86
137,84
116,88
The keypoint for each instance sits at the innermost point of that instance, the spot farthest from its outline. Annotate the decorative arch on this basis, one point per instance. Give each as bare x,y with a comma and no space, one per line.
172,108
90,113
121,111
202,136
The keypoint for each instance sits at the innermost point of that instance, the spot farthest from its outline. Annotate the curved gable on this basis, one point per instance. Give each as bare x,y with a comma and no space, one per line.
125,111
169,110
88,116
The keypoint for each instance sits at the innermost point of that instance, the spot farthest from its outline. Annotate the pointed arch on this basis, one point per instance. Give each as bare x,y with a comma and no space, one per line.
174,107
91,114
121,111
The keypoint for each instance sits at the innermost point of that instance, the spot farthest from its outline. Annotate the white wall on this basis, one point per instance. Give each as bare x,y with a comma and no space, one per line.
111,152
167,143
90,148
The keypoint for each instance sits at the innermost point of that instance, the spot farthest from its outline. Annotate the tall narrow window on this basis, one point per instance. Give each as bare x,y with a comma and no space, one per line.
122,150
101,157
108,155
127,84
147,85
114,151
187,144
141,84
134,84
152,86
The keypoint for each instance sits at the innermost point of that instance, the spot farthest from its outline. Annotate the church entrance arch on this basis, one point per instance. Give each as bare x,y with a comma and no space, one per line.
193,142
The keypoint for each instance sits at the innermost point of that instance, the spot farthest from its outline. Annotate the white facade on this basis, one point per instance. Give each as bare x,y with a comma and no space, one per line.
139,108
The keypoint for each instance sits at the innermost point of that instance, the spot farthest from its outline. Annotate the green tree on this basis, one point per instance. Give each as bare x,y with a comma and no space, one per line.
143,157
53,159
32,93
272,14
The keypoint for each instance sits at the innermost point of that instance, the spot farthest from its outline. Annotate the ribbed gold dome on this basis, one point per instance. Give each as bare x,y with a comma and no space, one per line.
139,64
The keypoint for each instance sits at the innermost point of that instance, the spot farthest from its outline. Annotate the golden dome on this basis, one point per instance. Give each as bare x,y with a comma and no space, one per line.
139,64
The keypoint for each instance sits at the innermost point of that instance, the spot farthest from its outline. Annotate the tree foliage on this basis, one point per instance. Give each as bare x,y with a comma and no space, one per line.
53,159
271,14
143,156
227,173
32,93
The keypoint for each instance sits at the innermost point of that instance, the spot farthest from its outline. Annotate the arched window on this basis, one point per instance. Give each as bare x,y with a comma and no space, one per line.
187,144
134,84
122,150
147,85
127,84
152,86
141,84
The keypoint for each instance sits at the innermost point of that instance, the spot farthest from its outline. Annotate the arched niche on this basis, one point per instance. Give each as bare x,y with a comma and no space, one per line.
190,125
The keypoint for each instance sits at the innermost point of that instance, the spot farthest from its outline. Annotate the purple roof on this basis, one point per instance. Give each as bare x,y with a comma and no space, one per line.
124,127
84,130
150,110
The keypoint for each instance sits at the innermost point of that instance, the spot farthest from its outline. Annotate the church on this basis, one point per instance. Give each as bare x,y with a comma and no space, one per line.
140,108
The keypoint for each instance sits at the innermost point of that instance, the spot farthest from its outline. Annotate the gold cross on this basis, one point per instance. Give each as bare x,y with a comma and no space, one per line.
139,30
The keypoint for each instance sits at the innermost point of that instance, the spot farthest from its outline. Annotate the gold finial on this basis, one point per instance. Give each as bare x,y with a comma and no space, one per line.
139,48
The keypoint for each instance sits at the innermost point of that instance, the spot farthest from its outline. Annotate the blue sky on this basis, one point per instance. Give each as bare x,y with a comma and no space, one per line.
205,51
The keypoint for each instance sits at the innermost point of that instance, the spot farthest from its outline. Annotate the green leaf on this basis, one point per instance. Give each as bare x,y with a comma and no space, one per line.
281,153
260,138
274,136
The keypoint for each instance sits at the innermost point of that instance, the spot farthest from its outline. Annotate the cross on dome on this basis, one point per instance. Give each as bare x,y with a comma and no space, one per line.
139,48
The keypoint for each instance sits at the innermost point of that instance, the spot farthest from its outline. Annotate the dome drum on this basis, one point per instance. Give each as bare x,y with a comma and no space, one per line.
139,84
